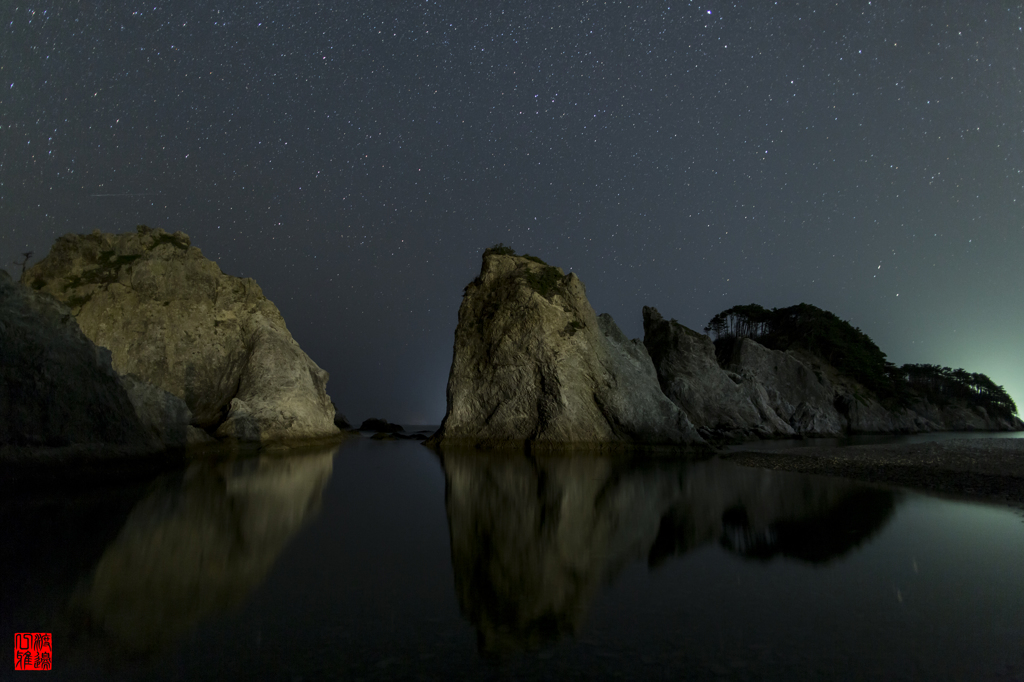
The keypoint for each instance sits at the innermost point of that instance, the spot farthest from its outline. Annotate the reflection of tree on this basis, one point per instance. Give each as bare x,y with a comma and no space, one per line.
197,546
535,537
815,539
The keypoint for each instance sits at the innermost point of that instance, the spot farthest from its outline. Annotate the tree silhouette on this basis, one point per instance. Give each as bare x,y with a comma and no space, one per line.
25,257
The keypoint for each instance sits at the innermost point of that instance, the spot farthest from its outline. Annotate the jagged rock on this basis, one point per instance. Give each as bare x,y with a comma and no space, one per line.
171,317
770,393
719,403
798,394
533,363
57,388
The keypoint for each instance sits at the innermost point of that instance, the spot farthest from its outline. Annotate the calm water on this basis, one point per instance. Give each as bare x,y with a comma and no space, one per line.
384,561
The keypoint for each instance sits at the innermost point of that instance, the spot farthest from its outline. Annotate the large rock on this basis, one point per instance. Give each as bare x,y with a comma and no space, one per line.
533,363
720,404
171,317
57,388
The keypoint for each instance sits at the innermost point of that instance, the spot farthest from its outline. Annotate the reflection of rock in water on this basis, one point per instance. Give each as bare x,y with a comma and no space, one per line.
815,539
196,546
534,538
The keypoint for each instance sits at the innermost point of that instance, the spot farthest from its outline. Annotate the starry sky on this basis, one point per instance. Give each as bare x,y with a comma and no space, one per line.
355,158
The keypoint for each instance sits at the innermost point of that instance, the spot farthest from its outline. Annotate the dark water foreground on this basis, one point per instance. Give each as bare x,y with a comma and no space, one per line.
382,560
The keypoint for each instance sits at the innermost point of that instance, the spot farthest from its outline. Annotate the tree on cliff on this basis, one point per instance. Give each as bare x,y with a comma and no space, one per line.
940,385
853,353
808,328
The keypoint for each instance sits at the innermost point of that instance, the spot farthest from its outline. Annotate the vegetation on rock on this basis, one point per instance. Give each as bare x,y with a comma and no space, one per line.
545,282
942,385
853,353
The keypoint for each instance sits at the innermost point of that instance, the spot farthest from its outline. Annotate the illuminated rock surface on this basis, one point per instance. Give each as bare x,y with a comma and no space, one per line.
172,318
534,363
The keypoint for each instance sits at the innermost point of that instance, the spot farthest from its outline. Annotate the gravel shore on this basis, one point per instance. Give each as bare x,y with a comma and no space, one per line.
982,469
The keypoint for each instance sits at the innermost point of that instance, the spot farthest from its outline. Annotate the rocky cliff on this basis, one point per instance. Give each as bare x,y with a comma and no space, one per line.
534,363
170,317
59,391
760,392
719,403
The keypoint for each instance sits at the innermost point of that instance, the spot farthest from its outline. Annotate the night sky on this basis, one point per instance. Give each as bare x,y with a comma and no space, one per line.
355,158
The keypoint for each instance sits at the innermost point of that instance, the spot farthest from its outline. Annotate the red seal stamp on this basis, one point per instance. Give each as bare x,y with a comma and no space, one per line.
33,651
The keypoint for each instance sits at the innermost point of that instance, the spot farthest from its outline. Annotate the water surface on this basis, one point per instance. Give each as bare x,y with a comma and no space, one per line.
383,560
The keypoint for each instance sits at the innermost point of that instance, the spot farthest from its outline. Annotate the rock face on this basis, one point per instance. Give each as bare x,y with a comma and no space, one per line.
170,317
533,363
719,403
796,393
57,388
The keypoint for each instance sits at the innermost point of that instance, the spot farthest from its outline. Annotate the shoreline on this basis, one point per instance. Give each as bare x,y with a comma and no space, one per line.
980,469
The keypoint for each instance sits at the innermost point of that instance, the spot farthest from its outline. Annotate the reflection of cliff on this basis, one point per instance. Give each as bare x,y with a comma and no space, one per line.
534,538
196,546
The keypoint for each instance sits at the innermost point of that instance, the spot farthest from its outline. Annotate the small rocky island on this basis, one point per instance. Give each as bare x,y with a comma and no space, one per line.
139,340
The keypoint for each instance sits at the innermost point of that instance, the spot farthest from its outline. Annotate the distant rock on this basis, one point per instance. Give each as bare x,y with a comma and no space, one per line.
380,426
722,405
171,317
534,363
339,419
758,392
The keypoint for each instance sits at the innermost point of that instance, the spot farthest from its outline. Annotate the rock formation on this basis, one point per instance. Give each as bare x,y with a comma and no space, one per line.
171,317
535,538
719,403
58,389
758,392
796,392
533,363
